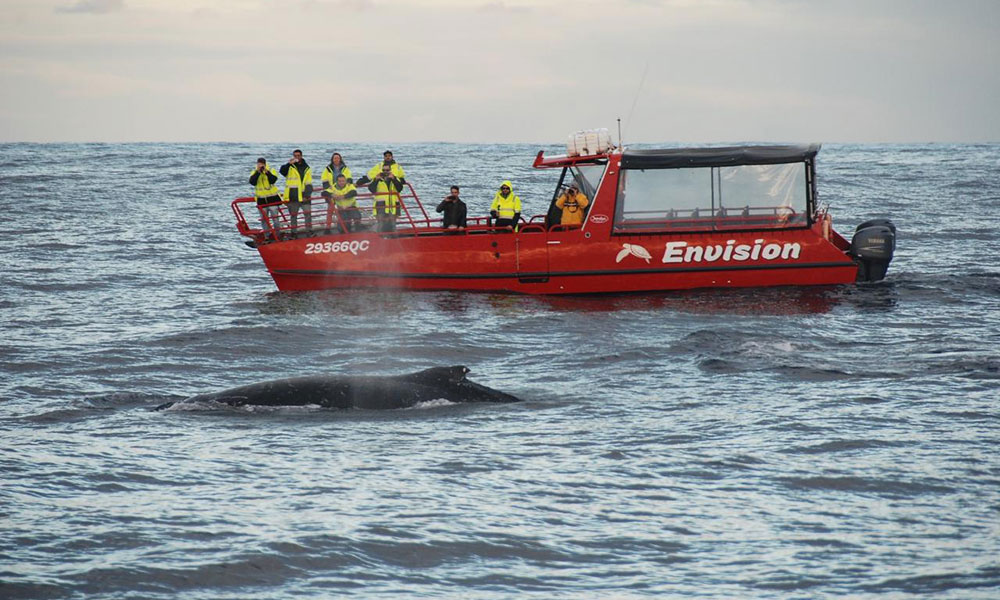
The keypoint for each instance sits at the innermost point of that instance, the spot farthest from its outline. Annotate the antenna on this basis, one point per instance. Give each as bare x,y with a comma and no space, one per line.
628,121
620,144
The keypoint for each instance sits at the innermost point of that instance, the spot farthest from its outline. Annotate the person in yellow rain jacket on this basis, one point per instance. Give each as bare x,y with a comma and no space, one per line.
506,208
263,179
386,187
573,204
333,170
298,188
387,160
342,200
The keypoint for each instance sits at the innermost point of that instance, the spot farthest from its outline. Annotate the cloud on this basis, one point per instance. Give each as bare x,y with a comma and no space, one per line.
517,70
95,7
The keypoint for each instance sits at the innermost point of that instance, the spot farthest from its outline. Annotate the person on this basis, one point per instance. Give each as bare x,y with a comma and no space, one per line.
342,199
387,159
332,171
454,210
386,187
506,208
298,188
573,204
263,179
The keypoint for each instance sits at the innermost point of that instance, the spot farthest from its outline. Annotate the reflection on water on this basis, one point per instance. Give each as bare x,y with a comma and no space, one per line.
750,301
757,301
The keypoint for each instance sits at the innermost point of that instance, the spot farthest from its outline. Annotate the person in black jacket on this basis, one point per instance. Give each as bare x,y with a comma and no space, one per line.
454,210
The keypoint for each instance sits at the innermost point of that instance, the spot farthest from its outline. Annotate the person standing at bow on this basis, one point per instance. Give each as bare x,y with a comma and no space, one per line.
387,160
333,170
506,208
263,178
386,187
298,188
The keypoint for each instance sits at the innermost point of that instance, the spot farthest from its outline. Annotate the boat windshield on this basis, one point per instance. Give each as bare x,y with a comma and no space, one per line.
586,177
712,198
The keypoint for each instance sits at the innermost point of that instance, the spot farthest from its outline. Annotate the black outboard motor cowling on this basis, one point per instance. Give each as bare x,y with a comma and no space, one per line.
872,247
872,222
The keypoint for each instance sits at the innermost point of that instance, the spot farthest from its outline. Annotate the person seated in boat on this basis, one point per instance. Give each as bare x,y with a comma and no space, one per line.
332,171
506,208
263,178
454,210
342,200
298,188
573,204
387,160
386,187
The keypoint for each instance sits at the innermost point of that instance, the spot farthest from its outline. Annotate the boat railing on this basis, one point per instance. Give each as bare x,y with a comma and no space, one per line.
328,218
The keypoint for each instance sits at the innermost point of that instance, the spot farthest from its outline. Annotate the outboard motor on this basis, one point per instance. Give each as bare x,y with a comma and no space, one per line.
872,247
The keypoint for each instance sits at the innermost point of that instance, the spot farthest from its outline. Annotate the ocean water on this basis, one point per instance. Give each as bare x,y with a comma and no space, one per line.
775,443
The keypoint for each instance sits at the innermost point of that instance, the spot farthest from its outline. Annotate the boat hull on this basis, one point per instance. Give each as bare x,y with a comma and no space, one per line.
566,262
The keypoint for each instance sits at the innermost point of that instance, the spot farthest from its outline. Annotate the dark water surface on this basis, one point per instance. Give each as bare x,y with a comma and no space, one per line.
780,443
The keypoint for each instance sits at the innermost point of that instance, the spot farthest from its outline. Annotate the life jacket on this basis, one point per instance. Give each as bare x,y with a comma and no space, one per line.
294,181
264,187
506,207
330,173
388,195
396,170
344,202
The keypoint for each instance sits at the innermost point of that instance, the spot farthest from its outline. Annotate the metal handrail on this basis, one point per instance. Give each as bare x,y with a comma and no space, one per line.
408,219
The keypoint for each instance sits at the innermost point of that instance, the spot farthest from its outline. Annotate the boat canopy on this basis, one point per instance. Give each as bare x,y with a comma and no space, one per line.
717,157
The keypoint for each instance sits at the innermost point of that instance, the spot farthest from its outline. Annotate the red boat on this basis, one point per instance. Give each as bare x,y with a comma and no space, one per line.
658,220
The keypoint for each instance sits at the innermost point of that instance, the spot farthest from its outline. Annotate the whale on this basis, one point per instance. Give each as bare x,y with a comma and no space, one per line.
367,392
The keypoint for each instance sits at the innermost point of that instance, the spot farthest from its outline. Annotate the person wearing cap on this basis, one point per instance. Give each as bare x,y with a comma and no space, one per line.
573,204
298,188
506,208
386,187
263,179
387,160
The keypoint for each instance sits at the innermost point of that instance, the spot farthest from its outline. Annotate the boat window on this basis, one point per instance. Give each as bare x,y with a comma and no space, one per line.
588,177
712,198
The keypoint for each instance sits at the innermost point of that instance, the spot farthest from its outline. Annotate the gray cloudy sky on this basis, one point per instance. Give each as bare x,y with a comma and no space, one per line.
504,71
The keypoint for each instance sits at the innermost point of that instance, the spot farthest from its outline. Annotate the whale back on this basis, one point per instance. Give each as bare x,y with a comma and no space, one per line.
440,376
359,391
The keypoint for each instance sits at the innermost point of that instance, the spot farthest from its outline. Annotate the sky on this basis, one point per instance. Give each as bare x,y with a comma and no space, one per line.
478,71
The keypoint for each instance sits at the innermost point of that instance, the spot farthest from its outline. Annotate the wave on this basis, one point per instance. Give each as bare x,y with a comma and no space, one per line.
98,406
845,446
866,485
939,583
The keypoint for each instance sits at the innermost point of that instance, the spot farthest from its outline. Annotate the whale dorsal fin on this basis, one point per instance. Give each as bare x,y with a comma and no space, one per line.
440,375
